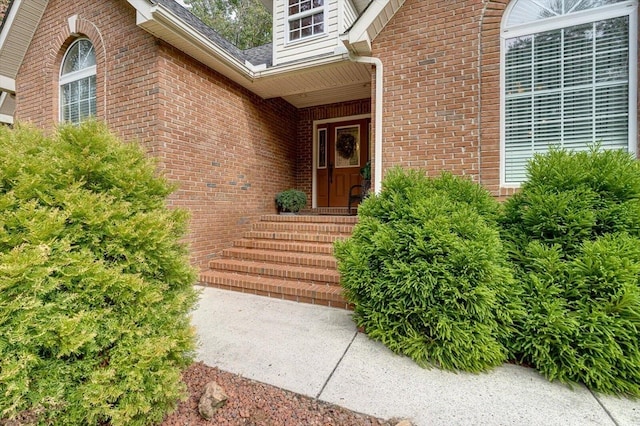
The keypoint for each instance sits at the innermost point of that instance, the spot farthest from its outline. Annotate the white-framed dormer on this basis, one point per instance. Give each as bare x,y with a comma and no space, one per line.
304,29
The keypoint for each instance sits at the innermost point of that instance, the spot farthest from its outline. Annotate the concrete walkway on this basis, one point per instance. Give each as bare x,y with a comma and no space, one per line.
317,351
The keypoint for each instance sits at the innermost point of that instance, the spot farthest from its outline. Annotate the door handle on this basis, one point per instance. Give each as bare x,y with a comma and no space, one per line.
330,173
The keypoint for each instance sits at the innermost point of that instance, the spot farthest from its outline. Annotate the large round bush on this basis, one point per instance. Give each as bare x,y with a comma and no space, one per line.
427,274
573,233
95,286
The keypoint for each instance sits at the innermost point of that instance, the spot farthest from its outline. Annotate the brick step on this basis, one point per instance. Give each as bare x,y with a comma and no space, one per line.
281,257
333,211
304,227
273,270
314,293
296,236
310,218
300,247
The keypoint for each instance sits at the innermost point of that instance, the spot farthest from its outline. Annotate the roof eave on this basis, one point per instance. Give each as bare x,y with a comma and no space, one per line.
7,84
164,24
359,38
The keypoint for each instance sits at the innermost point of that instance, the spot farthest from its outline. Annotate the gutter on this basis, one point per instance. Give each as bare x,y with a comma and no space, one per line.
148,15
377,166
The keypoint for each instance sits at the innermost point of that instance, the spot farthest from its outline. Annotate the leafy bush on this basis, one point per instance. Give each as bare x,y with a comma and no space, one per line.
573,196
426,272
573,235
95,287
291,200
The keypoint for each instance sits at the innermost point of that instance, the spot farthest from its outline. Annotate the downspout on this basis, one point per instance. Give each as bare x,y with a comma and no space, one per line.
377,165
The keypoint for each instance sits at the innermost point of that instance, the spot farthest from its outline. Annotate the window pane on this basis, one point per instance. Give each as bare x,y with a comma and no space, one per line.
525,11
79,57
591,4
78,100
578,93
306,26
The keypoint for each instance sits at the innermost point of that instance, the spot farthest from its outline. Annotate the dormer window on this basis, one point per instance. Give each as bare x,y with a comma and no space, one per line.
306,18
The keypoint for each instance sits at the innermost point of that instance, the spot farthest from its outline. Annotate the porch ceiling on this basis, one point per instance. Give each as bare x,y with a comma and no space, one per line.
338,82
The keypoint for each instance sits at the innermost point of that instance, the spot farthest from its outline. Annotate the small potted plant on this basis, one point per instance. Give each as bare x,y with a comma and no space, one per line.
291,201
365,172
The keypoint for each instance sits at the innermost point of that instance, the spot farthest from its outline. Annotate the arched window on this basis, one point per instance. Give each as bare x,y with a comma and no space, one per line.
569,78
78,82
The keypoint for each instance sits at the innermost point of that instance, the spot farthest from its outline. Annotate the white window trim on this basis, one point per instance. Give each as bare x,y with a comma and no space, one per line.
304,14
64,79
629,8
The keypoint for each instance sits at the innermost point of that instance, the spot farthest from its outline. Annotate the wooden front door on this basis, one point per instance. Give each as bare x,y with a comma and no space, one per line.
342,150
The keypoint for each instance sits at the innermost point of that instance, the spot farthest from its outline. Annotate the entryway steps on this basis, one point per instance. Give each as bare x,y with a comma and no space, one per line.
299,247
314,228
287,257
295,236
314,293
291,258
309,218
300,273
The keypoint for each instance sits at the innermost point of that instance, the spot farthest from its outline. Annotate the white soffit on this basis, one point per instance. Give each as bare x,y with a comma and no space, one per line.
17,32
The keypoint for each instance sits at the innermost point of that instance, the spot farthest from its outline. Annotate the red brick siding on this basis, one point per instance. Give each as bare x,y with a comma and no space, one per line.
442,88
430,119
228,151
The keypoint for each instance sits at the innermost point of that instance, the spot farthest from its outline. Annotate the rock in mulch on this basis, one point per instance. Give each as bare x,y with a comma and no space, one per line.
212,399
252,403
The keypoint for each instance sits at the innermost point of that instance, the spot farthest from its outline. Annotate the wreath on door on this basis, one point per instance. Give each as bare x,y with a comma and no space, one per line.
346,145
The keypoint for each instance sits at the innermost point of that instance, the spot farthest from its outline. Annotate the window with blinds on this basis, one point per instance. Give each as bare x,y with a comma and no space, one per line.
568,84
78,82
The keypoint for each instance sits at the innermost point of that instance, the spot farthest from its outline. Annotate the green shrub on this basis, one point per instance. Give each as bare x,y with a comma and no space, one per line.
426,272
573,196
95,287
291,200
573,233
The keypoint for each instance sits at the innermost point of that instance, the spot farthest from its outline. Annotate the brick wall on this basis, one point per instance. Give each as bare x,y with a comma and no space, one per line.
442,88
431,86
125,83
228,151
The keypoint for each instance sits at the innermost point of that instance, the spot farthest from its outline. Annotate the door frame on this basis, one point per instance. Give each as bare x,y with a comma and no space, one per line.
314,156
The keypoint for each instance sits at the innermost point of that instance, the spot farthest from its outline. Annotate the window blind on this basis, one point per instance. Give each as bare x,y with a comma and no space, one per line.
567,88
